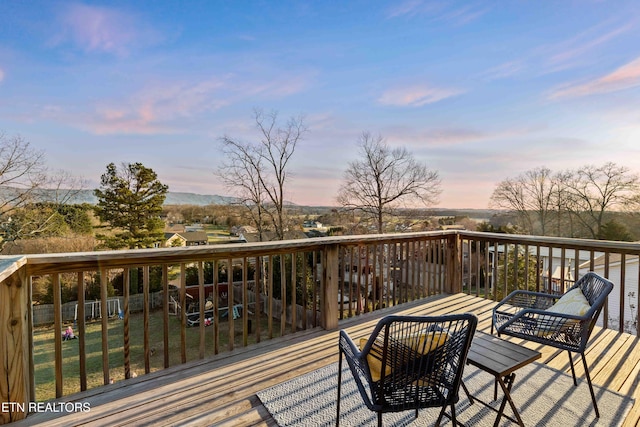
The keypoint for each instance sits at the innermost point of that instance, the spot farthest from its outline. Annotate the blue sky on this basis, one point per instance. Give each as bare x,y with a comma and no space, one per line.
478,90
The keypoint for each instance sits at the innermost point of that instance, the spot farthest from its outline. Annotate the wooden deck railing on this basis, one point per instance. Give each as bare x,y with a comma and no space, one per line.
271,289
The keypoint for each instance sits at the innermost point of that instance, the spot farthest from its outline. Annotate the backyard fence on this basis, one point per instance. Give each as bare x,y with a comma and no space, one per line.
44,314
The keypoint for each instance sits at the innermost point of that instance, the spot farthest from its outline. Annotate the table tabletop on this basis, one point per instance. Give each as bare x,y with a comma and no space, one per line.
497,356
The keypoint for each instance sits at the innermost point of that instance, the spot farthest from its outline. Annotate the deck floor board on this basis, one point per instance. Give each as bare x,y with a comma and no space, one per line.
222,390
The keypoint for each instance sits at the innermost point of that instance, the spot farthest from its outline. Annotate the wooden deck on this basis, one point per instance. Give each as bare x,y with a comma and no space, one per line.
222,390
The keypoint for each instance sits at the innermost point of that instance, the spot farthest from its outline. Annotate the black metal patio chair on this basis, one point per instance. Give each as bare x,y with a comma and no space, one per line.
409,363
563,321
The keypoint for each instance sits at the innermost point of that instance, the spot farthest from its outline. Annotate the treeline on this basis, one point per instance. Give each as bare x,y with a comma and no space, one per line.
595,202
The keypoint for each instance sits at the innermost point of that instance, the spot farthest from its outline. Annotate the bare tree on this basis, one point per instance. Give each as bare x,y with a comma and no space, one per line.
258,172
532,197
30,197
577,201
384,179
22,172
593,191
241,173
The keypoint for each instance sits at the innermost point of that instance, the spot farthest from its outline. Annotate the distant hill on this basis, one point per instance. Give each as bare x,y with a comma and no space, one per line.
177,198
173,198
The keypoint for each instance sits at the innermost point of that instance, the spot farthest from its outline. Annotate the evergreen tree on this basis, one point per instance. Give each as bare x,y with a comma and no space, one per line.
130,200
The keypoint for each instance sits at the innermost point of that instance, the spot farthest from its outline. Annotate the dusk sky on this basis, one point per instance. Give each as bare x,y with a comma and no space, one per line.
478,90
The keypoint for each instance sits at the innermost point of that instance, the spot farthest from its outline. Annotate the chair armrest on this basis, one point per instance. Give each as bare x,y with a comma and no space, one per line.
347,345
356,359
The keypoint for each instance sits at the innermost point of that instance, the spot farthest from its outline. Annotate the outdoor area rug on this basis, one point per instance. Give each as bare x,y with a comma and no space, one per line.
544,397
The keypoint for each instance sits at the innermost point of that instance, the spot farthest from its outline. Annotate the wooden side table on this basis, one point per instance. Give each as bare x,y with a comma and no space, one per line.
501,359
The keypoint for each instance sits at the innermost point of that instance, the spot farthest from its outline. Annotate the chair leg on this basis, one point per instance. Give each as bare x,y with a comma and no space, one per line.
440,415
573,371
453,415
593,395
379,419
339,384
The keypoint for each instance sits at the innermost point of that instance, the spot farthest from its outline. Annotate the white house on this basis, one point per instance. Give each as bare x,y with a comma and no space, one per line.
625,300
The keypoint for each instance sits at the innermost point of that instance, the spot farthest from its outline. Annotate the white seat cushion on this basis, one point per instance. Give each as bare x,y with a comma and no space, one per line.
573,302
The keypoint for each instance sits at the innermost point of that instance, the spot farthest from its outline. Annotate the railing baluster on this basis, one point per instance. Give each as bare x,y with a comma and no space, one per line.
201,300
526,266
57,328
125,322
306,256
283,294
245,302
538,268
183,313
145,321
623,298
605,311
104,315
294,291
563,254
269,279
230,304
259,289
82,343
165,314
216,309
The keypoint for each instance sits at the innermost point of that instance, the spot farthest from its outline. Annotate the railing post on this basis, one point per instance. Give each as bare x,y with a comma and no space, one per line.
329,288
15,344
453,284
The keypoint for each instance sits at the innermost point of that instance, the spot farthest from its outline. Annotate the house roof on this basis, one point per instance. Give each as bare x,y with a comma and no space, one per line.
599,261
189,236
169,234
174,228
195,236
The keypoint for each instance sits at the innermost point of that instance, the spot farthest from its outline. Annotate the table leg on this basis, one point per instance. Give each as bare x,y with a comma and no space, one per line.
506,389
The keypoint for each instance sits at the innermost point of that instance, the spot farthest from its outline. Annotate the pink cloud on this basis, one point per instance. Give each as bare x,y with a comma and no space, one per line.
585,43
416,96
158,107
625,77
453,136
101,29
1,75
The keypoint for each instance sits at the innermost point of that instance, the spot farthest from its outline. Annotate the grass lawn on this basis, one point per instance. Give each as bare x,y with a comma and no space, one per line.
44,350
217,233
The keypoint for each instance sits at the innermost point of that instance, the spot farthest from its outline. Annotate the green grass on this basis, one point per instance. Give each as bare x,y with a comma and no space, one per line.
44,350
217,233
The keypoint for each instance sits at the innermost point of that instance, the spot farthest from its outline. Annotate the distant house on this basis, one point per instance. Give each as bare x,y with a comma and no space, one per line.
627,303
187,238
311,224
237,230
